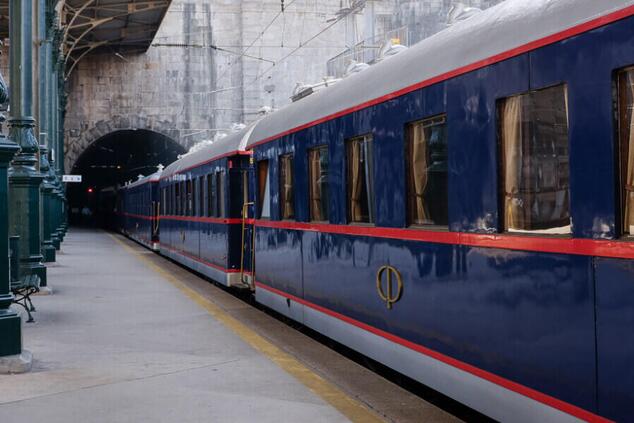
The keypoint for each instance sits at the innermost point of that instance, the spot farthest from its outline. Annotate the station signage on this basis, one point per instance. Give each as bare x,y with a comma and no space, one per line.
71,178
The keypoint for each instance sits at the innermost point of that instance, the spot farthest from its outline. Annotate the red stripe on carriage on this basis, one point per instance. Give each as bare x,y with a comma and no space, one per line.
533,45
553,402
222,220
563,245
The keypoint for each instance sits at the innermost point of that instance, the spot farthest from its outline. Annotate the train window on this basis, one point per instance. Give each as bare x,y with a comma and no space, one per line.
625,83
201,196
163,200
360,182
318,181
264,190
287,209
190,200
177,199
172,199
183,204
220,189
211,195
426,154
533,133
194,203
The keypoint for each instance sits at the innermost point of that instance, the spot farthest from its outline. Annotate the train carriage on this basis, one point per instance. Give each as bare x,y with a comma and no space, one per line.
202,222
461,212
139,210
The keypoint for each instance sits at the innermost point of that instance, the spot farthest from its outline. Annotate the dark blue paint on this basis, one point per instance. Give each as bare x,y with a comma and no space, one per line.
615,338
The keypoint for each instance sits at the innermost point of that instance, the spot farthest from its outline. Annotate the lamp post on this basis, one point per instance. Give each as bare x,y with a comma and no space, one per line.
12,358
24,176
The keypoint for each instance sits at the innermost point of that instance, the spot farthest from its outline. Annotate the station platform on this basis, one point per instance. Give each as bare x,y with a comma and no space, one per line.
128,336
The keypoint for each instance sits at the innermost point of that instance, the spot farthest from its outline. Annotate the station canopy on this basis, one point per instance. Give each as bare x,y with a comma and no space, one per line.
90,25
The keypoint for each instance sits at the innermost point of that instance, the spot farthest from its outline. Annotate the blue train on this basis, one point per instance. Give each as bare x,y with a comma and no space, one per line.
462,212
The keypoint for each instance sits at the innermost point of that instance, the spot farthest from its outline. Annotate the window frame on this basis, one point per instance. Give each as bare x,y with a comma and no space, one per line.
220,193
260,194
368,138
622,154
281,183
434,120
320,148
501,167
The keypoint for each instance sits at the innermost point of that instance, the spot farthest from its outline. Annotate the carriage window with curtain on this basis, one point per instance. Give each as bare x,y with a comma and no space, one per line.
177,199
535,170
201,196
264,190
360,183
211,195
220,190
318,183
183,204
163,198
626,141
287,209
427,172
190,202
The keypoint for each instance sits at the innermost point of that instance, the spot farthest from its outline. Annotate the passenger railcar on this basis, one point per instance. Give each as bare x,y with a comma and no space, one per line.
138,212
203,199
453,213
461,212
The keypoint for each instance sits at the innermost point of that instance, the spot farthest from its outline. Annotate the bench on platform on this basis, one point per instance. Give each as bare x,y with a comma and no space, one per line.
22,290
22,287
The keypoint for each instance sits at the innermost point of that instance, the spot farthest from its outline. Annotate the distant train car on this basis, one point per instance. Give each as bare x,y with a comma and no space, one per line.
203,199
138,213
461,212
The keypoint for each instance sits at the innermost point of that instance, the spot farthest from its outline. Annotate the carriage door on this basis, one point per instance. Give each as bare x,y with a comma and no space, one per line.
247,259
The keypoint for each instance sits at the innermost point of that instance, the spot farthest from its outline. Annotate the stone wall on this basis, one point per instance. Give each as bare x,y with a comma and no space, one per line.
198,78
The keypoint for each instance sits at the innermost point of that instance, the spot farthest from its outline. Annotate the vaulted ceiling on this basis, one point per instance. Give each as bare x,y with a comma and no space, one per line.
90,25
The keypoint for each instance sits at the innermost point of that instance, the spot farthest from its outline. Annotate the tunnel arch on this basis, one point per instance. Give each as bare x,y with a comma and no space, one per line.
79,142
110,161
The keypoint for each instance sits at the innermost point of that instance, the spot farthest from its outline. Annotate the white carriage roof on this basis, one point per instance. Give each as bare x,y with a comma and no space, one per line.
155,177
501,30
228,145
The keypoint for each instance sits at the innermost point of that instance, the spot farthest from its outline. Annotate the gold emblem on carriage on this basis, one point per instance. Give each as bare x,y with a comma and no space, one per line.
387,276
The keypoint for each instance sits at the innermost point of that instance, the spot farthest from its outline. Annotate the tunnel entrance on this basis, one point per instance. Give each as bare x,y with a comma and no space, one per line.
109,162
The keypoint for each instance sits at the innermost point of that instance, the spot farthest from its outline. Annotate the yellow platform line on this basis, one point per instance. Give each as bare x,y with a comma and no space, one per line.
346,405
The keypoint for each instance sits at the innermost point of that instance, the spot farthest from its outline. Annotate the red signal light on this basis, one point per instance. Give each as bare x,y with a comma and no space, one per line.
90,190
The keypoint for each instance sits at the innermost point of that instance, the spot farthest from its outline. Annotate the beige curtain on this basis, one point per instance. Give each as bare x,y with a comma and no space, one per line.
356,183
514,217
419,171
288,188
315,185
629,181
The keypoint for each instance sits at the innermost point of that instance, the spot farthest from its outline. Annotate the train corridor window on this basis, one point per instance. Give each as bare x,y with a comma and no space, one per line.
533,134
177,199
625,82
210,195
220,189
360,181
264,190
190,201
287,209
318,181
201,196
183,204
427,198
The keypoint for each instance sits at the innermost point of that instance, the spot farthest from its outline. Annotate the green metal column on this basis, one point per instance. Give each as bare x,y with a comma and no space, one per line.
24,176
10,322
48,250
